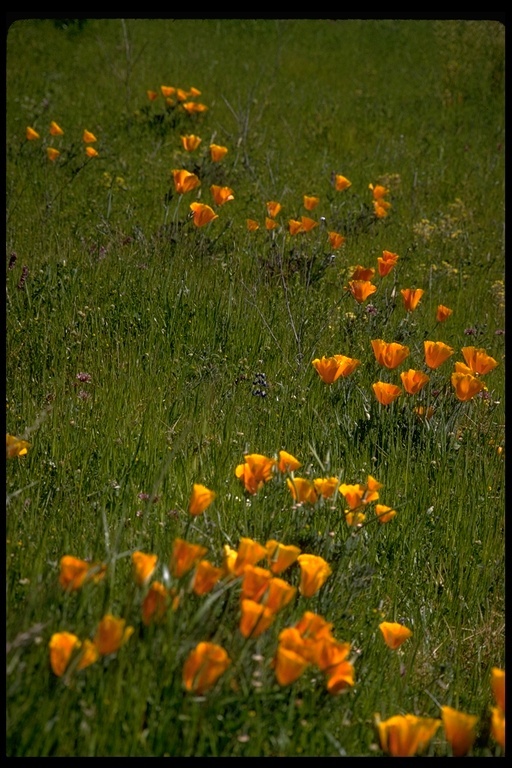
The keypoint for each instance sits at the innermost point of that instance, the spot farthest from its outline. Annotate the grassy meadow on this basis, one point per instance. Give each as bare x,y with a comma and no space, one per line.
161,389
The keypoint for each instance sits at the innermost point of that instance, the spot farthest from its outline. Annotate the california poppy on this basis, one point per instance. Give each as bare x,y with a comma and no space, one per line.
185,556
255,471
194,106
221,195
341,183
288,665
217,152
406,735
203,214
255,619
111,634
336,240
74,572
88,137
459,729
314,572
389,354
55,129
31,134
411,297
190,142
384,514
280,556
206,577
386,262
91,152
270,223
332,368
273,208
413,381
152,95
386,393
52,153
184,181
203,667
362,273
287,462
361,289
143,566
466,385
478,360
252,225
302,490
200,499
167,90
249,552
62,645
255,582
436,353
15,446
310,202
325,486
279,594
443,313
394,634
154,605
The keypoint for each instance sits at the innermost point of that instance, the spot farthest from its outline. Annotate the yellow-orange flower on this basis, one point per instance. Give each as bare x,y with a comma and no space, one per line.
478,360
310,202
443,313
31,134
203,667
394,634
194,106
287,462
89,654
294,226
325,486
341,183
270,223
413,380
378,191
459,729
62,646
203,214
362,273
190,142
15,446
221,195
255,582
273,208
184,181
332,368
255,619
111,634
167,91
386,393
249,552
154,605
91,152
55,129
88,137
384,514
314,572
252,225
280,556
194,92
185,556
279,594
206,577
436,353
411,297
386,262
498,686
340,677
255,471
152,95
308,224
498,726
389,354
354,517
302,490
229,558
143,566
200,499
466,385
336,240
288,665
361,289
217,152
381,208
74,572
181,94
353,494
406,735
52,153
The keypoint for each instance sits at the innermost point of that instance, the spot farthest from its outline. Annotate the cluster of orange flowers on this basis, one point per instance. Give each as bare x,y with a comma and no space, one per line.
65,647
179,97
55,130
409,735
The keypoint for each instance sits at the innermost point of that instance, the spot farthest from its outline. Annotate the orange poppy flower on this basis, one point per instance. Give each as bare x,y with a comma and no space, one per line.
498,686
229,557
217,152
361,289
91,152
288,665
55,129
252,225
332,368
424,414
167,90
459,729
310,202
203,214
302,490
394,634
193,107
184,181
273,208
386,393
185,556
194,93
74,572
255,619
62,646
143,566
314,572
249,552
336,240
280,556
154,605
498,726
326,486
406,735
381,208
340,677
362,273
386,262
270,223
221,195
190,142
311,625
287,462
478,360
378,191
384,514
412,297
443,313
279,595
200,499
353,494
413,381
329,652
88,137
31,134
308,224
89,654
52,153
111,634
354,517
15,446
466,385
255,471
436,353
389,354
152,95
203,667
341,183
206,577
255,582
294,226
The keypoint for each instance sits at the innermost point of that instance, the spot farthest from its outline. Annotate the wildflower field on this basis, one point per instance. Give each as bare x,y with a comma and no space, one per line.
255,366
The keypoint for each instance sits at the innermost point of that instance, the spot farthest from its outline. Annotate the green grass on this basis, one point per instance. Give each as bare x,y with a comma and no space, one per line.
173,323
